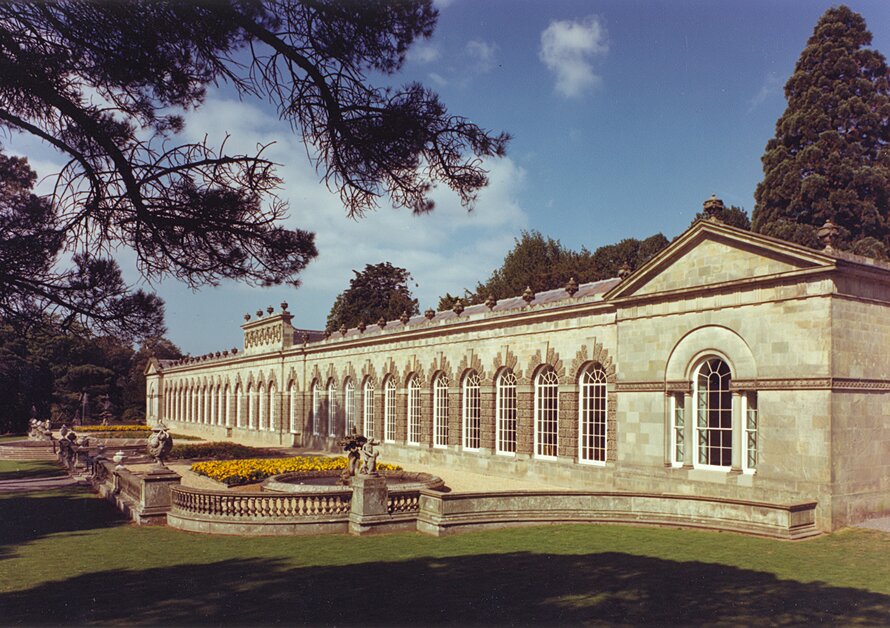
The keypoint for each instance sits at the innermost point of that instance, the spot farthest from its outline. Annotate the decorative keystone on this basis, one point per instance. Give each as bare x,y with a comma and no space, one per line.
572,287
527,295
828,235
361,327
624,271
381,322
343,330
430,314
405,317
713,207
284,306
458,307
490,302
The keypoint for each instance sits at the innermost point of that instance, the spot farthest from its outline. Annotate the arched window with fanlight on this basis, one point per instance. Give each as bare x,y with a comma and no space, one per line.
472,411
389,410
349,406
592,414
316,408
440,411
712,401
332,398
413,436
505,412
547,413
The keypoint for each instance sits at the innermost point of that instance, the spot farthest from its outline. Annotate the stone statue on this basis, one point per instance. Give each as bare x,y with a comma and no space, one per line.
159,443
369,457
352,446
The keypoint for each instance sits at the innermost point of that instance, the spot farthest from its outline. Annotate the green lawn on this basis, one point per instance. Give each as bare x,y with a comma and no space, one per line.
66,557
21,469
11,437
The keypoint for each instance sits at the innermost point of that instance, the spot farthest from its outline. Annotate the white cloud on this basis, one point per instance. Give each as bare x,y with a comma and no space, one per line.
771,84
483,55
423,52
567,48
438,79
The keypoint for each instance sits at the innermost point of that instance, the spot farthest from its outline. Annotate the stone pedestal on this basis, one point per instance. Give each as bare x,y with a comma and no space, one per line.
369,509
155,499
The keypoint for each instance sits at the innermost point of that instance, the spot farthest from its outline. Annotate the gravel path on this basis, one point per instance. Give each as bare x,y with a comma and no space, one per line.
881,523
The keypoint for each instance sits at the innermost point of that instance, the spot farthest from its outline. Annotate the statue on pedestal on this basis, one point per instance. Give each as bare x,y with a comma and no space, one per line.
159,444
369,457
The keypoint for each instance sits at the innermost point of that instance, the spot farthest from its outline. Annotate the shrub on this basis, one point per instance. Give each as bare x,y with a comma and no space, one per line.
235,472
217,451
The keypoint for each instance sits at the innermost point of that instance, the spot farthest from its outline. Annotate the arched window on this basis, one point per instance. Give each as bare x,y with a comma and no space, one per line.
316,408
349,406
505,408
332,395
202,404
472,411
292,406
368,415
239,405
389,410
251,406
262,407
713,412
592,414
413,410
213,394
547,414
440,411
227,406
273,407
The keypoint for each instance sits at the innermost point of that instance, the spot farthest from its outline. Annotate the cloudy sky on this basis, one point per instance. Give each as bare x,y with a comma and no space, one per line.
625,116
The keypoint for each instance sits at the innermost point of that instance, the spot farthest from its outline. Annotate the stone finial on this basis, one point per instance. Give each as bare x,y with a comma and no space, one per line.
270,309
490,302
327,334
361,327
405,317
572,287
247,317
458,307
259,313
528,295
828,235
216,355
305,338
226,353
343,330
624,271
713,207
284,306
234,350
381,322
430,314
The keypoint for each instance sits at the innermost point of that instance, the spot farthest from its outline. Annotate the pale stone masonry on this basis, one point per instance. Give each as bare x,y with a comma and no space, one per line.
730,366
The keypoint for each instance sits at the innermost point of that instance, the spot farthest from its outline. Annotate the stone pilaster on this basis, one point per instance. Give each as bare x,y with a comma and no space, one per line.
426,418
455,434
487,417
568,422
401,415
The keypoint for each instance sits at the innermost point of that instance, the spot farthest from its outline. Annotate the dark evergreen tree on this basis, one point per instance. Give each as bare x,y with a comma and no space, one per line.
830,158
380,290
732,216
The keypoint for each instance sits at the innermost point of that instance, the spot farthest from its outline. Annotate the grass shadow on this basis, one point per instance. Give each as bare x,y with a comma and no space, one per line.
518,588
29,469
30,516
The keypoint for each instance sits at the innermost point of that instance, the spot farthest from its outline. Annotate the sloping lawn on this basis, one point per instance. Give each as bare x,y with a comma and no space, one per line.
22,469
66,557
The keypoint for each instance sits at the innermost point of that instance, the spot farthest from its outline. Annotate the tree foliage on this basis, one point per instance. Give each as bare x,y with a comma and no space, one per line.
829,159
542,263
380,290
60,372
105,83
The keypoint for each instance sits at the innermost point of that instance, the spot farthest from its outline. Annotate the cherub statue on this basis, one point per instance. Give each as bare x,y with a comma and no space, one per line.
369,457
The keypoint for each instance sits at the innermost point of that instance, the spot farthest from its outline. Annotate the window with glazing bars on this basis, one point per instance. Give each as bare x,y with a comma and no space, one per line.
413,410
547,414
714,413
440,411
389,410
369,409
349,406
505,407
592,415
472,411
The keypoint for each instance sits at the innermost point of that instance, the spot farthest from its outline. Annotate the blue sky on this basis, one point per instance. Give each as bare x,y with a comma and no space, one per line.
625,116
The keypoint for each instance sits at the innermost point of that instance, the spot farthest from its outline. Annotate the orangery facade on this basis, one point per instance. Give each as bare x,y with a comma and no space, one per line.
730,365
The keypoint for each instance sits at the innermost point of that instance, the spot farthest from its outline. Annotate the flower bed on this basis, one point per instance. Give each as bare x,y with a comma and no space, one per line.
235,472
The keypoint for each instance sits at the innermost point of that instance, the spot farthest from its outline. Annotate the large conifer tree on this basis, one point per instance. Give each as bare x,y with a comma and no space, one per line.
830,158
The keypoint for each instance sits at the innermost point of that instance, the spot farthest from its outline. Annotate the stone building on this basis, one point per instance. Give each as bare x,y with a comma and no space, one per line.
730,365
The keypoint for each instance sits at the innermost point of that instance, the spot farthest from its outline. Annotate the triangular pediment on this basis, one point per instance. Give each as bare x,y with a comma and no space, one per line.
712,253
153,367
